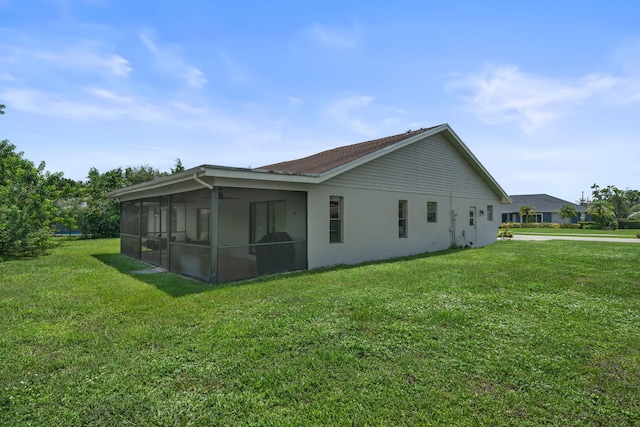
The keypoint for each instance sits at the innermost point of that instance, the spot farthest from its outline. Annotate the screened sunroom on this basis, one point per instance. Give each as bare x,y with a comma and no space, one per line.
218,234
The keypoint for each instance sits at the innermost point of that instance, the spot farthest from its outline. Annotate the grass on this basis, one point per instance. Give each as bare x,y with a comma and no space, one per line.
517,333
630,234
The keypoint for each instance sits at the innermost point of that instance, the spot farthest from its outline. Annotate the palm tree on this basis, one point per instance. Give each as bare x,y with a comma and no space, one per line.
602,211
634,212
526,211
568,212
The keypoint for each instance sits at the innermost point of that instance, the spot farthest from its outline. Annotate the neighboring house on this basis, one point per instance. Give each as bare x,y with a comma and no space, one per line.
546,209
406,194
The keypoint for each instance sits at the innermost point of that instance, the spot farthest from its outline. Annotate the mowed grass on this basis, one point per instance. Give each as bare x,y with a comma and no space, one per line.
629,234
517,333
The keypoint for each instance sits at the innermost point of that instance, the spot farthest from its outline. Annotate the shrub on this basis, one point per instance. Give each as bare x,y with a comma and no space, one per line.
569,225
588,225
627,224
550,225
505,233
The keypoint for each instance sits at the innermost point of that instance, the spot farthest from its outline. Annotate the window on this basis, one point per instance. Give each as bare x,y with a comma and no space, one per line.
402,218
432,211
335,219
472,217
203,224
489,212
266,217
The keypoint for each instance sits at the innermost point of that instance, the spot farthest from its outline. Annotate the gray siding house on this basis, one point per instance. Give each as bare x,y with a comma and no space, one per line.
546,209
406,194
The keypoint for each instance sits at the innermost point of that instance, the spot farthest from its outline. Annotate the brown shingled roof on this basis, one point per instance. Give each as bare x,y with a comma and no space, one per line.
331,159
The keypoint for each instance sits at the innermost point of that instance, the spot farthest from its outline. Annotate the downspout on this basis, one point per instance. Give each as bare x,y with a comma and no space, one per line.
197,179
452,212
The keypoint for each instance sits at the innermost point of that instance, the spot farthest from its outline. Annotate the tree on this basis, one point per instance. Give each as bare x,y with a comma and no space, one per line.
101,215
634,212
27,204
526,211
178,167
602,212
139,174
568,212
621,200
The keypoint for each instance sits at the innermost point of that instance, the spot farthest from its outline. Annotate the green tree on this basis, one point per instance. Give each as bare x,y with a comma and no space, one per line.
27,204
602,212
525,212
568,212
178,167
634,212
621,200
101,215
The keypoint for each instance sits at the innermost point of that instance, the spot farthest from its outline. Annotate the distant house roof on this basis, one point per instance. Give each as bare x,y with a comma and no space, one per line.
331,159
540,202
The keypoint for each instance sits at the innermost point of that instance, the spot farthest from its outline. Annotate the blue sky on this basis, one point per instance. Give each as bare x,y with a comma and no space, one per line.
546,94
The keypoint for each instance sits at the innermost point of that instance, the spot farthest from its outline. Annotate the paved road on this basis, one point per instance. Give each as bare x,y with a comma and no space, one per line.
583,238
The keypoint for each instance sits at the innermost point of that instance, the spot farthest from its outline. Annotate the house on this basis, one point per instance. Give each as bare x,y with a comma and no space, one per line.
419,191
546,209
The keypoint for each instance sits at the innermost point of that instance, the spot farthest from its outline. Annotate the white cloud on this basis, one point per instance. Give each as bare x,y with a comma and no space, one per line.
194,77
501,94
84,55
334,37
100,106
169,59
344,112
109,95
358,114
235,71
295,102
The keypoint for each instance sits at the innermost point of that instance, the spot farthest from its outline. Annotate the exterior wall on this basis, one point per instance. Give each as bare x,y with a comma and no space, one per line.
430,170
430,166
370,225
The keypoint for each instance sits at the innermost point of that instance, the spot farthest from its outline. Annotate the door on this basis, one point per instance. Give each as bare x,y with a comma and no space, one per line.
473,222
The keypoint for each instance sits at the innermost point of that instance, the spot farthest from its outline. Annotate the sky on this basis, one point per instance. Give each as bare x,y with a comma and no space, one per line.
546,94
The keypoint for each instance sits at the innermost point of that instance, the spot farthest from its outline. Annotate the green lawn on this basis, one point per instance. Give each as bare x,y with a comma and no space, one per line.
630,234
517,333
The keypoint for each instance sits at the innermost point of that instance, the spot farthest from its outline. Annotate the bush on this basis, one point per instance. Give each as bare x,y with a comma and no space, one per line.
532,225
505,233
588,225
569,225
627,224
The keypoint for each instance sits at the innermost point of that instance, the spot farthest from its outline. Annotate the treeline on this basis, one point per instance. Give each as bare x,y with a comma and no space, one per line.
610,206
33,201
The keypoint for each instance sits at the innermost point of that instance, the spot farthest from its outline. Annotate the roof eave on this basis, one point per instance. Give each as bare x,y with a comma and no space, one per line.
214,172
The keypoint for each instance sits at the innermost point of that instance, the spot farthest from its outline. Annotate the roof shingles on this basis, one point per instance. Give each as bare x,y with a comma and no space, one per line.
327,160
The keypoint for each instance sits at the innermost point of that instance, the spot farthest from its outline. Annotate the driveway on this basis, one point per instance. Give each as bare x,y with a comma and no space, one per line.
583,238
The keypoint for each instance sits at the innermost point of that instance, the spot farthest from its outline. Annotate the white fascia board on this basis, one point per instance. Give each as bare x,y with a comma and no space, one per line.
257,175
207,171
176,178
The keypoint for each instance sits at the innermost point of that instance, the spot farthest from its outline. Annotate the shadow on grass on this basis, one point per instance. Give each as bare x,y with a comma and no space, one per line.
170,283
177,286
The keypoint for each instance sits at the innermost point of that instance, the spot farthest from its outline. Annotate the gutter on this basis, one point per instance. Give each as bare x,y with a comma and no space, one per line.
197,179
